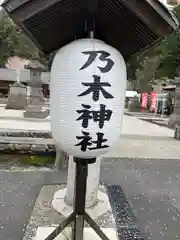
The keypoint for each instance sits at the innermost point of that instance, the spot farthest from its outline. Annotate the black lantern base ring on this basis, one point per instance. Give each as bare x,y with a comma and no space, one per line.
79,215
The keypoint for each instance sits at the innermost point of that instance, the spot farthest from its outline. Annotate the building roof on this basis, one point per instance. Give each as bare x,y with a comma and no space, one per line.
35,64
129,26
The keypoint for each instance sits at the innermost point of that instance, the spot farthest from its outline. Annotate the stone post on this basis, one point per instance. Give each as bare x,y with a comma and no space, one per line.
92,184
35,98
175,117
17,98
62,159
97,202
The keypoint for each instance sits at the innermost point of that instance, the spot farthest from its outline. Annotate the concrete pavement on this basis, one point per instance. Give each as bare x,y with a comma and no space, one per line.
132,147
148,192
13,119
144,195
137,127
138,139
18,193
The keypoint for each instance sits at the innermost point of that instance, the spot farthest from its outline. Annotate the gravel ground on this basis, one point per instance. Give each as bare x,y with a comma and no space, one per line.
144,195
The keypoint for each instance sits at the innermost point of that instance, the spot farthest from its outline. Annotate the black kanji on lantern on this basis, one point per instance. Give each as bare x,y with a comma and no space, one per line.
95,88
102,115
100,140
87,141
86,115
98,116
103,57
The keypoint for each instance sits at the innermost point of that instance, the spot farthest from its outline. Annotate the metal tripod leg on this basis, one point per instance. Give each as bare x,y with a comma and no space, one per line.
61,227
80,197
78,233
80,200
95,227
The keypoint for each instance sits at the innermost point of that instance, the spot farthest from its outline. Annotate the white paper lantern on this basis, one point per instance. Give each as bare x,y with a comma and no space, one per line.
87,92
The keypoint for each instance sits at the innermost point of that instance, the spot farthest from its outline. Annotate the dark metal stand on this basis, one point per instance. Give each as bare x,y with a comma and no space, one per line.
79,215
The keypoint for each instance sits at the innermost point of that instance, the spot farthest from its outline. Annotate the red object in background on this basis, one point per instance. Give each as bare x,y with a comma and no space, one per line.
153,101
144,100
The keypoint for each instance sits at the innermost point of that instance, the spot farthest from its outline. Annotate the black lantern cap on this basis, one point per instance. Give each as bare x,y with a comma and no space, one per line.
128,25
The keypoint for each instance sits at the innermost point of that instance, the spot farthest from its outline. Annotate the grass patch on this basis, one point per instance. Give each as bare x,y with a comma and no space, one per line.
27,159
35,160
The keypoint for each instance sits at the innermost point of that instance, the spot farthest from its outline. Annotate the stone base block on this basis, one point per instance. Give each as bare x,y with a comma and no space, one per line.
36,114
17,98
89,234
16,102
101,207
